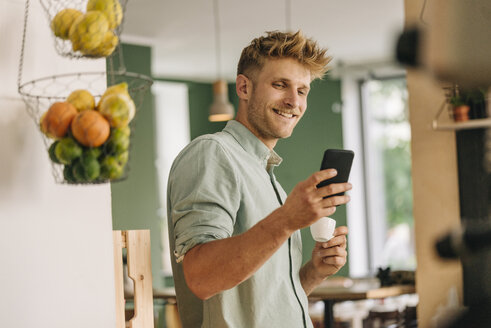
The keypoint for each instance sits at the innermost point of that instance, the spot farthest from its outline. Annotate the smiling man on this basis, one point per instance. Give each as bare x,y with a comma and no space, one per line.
233,230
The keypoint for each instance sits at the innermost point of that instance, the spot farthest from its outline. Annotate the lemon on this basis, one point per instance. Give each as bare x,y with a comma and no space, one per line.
88,31
121,88
118,109
107,45
111,8
117,106
63,20
82,100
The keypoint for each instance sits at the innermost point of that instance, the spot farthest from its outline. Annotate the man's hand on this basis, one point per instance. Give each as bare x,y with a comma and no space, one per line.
327,259
330,256
306,203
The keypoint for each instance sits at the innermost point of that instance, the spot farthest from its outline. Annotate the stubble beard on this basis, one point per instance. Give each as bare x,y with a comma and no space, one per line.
259,121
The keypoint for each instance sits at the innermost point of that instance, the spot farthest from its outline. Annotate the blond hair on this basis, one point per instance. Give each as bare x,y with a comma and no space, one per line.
278,44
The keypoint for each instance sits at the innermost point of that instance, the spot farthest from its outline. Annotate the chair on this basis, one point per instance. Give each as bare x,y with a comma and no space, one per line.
137,244
382,319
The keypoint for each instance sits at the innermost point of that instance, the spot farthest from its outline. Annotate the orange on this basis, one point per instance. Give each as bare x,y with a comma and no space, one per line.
90,128
56,121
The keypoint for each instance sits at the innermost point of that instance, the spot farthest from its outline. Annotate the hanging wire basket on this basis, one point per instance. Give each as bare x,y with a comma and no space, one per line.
86,119
85,28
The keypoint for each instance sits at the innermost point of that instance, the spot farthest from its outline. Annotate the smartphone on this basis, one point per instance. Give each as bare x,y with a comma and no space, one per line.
341,160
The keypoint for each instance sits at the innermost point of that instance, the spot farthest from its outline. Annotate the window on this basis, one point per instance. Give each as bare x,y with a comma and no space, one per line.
172,135
386,160
376,127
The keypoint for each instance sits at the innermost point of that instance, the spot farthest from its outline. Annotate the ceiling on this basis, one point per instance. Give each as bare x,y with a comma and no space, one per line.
182,33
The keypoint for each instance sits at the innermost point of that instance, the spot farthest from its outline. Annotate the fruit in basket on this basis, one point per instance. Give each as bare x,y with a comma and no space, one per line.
88,31
111,8
63,20
78,172
42,126
107,45
86,169
51,152
121,88
111,168
118,109
119,141
68,174
90,128
82,100
67,150
56,121
123,158
91,167
92,152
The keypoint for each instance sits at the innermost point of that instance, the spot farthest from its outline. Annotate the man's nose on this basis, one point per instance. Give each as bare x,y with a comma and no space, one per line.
292,99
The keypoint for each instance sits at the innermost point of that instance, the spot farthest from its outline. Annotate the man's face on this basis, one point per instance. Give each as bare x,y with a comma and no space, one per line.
278,99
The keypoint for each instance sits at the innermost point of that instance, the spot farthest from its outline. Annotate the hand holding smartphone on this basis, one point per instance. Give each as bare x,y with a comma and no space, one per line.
341,160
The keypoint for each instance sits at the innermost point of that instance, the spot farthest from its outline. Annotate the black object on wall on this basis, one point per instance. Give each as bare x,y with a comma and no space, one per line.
475,199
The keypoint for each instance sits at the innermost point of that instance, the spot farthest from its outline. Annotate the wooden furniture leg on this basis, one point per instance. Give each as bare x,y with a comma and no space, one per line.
137,243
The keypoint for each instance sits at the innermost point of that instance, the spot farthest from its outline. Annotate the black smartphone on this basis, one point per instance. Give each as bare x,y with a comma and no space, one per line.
341,160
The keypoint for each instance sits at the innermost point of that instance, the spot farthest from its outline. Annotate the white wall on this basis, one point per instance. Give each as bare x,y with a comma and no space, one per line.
56,263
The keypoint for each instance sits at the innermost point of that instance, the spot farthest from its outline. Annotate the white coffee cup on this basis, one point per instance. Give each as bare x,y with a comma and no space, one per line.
323,229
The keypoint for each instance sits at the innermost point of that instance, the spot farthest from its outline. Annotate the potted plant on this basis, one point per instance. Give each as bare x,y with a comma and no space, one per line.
459,105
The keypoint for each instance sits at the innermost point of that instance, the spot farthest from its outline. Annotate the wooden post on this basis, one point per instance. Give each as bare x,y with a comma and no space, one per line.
137,243
118,245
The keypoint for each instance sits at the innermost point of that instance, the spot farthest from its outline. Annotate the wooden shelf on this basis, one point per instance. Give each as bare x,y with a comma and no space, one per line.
471,124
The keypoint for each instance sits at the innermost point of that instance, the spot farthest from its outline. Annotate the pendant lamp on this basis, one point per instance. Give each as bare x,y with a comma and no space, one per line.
221,109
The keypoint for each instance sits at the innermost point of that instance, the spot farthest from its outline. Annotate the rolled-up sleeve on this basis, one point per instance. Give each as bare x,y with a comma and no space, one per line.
203,195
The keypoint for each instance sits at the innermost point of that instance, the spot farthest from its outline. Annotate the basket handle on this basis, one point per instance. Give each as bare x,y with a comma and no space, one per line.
21,59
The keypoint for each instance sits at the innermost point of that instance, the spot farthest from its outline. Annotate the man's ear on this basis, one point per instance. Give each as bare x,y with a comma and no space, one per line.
243,86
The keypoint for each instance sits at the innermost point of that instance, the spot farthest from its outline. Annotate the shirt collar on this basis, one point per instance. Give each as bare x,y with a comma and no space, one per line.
252,144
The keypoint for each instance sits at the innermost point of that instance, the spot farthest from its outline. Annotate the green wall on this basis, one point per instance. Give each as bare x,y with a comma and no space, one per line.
135,200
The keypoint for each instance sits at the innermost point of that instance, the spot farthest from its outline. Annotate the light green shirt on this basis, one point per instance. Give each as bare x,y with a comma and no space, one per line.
220,186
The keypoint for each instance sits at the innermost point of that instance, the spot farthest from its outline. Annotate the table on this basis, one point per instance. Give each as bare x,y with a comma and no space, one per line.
168,294
328,292
359,290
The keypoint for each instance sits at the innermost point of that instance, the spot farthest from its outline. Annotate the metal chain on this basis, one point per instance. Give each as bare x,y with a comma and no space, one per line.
288,15
216,16
21,60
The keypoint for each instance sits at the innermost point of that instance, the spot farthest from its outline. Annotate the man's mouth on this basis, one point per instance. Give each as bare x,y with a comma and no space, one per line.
284,114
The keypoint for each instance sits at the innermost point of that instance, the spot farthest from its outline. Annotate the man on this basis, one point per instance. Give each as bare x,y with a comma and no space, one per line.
233,231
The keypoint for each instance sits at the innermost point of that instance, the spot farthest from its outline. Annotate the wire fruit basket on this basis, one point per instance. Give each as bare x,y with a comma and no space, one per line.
88,145
86,119
85,28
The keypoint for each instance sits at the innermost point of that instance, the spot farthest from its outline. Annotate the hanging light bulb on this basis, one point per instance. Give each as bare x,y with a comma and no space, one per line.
221,109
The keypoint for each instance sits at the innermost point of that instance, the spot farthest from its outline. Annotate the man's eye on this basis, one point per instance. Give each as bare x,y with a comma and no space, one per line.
278,85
